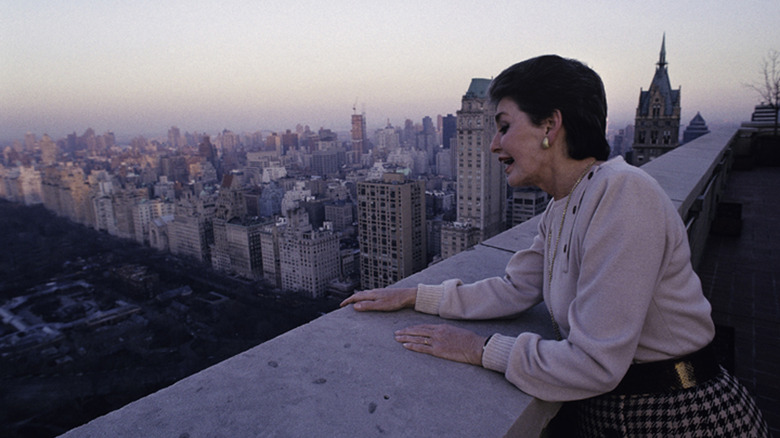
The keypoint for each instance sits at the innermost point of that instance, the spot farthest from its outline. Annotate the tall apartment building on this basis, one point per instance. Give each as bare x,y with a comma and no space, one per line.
78,195
449,130
124,200
525,203
29,185
144,212
388,138
49,151
269,249
158,233
230,206
65,191
657,125
309,259
245,247
391,229
10,187
191,231
103,204
175,139
50,188
339,214
188,236
327,163
481,185
274,143
358,134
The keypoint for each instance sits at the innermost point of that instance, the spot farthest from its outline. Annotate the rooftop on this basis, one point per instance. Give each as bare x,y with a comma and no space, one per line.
478,88
344,375
741,278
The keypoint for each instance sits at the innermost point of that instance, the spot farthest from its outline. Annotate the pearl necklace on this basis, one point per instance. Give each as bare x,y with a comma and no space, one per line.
551,261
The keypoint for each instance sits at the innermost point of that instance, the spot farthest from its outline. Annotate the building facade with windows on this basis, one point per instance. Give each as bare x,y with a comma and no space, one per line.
308,258
657,125
525,203
481,187
391,229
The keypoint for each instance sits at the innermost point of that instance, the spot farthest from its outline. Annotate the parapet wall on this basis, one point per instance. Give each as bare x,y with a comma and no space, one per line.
343,374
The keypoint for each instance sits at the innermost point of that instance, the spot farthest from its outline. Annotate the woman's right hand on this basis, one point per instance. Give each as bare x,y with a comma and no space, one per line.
384,299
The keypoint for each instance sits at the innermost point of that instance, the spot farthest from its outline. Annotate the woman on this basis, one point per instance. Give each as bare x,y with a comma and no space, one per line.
612,263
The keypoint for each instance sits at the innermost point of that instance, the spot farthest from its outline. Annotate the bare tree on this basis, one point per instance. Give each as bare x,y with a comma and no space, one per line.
769,89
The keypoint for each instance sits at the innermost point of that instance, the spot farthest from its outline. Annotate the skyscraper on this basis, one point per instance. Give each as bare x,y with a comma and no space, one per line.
391,229
449,129
480,180
269,251
175,139
657,116
358,134
49,151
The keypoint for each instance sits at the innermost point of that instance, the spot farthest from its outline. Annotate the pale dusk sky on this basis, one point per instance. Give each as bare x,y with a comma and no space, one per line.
140,67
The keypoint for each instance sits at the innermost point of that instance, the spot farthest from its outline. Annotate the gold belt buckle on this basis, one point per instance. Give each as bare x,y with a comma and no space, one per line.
685,374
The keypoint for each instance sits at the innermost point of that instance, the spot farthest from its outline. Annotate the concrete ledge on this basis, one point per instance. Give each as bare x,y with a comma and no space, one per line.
685,171
340,375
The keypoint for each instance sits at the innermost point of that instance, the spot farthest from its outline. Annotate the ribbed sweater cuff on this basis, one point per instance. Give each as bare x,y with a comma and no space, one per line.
496,354
428,298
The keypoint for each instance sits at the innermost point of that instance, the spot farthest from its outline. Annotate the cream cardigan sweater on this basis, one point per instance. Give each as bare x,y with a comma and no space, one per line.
622,291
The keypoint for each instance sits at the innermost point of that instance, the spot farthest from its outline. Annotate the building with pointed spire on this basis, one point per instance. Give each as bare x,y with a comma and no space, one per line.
657,124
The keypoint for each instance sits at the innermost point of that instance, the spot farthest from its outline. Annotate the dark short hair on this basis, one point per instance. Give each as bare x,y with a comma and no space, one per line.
543,84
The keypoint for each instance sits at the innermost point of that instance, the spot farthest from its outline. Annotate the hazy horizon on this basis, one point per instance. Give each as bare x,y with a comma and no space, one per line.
140,68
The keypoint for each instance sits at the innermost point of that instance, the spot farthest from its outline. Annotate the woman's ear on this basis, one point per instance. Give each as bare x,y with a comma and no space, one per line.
554,125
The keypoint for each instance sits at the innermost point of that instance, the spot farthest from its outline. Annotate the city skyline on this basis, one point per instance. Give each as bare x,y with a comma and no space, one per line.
137,69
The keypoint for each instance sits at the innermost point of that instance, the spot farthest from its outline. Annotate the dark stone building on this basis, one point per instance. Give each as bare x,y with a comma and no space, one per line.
657,116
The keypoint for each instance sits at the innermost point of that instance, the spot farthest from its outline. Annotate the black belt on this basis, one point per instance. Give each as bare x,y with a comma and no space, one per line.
670,375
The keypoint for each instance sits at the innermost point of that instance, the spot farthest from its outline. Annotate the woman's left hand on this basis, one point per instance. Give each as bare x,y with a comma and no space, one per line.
443,340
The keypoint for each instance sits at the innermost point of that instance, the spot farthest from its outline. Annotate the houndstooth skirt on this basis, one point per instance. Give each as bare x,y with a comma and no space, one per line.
720,407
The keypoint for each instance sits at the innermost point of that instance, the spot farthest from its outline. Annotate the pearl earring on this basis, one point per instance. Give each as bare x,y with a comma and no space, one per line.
545,143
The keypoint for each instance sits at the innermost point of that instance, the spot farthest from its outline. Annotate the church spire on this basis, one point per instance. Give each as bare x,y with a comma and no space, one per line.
662,58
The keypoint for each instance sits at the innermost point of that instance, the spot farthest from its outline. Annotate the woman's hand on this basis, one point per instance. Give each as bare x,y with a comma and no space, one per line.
445,341
386,299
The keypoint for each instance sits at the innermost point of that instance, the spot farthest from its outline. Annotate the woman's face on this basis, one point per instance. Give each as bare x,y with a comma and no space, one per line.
518,143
